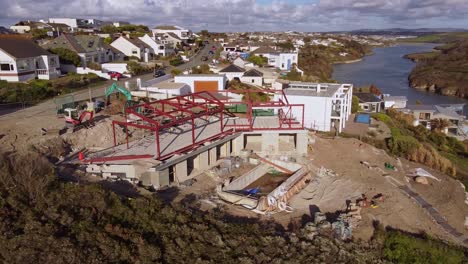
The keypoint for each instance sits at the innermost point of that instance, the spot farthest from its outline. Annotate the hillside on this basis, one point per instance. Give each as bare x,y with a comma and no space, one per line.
444,71
317,60
438,38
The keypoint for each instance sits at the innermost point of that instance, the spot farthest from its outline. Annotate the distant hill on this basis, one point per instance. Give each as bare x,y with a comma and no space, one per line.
405,31
444,71
439,37
4,30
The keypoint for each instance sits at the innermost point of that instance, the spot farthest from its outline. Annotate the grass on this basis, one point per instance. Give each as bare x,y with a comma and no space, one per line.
402,248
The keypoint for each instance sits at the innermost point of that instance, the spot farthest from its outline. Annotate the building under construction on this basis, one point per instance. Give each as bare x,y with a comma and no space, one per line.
168,141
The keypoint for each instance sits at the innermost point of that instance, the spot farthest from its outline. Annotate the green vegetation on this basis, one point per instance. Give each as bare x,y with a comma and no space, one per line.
400,248
176,72
108,40
292,75
37,90
317,60
444,71
202,69
110,29
431,148
136,68
355,104
176,61
438,38
67,56
258,60
39,33
255,97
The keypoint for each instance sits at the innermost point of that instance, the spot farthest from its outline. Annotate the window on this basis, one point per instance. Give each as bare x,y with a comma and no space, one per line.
52,62
253,80
282,65
134,52
6,67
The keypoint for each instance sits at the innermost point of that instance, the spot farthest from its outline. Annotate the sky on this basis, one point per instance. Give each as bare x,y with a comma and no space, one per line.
250,15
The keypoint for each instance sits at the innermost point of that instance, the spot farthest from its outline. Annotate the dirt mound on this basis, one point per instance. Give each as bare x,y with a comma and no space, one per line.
99,136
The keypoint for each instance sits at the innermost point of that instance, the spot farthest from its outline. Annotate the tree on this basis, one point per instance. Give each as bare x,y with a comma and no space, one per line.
67,56
287,46
109,29
176,72
307,40
136,68
204,33
202,69
39,33
439,124
293,75
375,90
108,40
258,60
355,104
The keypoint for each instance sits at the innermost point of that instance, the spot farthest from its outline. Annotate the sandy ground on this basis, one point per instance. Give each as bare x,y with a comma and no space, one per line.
329,193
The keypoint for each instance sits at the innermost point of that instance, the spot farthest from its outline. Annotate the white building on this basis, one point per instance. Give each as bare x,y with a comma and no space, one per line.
133,47
281,60
74,23
22,60
203,82
326,106
158,48
253,77
232,72
396,102
181,33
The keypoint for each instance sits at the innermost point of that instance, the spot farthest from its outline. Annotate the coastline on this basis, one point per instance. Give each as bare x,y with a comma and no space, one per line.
348,61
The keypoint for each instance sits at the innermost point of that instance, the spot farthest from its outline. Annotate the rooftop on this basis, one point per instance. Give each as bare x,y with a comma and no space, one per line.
199,75
395,98
367,98
329,91
21,47
233,68
166,27
253,73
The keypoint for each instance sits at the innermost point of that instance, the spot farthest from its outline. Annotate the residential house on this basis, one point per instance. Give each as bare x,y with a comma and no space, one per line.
253,77
53,29
233,72
175,32
327,106
22,60
158,48
90,48
395,102
281,60
425,114
133,47
369,102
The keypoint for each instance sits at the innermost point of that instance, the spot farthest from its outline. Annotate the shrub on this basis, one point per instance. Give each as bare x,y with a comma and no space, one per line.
176,72
67,56
94,66
176,62
400,248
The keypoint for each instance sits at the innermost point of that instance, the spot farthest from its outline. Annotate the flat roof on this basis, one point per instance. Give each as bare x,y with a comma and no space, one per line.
324,92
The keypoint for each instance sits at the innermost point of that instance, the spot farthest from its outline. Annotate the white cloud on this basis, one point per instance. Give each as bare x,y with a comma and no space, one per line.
247,15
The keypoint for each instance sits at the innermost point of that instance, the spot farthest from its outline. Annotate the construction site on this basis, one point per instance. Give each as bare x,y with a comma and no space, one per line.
253,157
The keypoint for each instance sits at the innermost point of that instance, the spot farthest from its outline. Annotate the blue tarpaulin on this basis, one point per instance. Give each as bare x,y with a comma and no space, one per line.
363,118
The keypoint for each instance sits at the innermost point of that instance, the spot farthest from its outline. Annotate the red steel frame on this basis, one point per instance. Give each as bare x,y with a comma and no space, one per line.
181,111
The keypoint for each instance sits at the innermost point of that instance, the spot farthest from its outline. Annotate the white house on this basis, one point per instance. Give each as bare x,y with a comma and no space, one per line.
232,71
158,48
281,60
253,77
395,101
133,47
22,60
203,82
181,33
326,106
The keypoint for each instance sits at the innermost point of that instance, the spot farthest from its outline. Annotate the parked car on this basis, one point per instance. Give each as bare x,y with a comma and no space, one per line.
158,73
115,75
213,47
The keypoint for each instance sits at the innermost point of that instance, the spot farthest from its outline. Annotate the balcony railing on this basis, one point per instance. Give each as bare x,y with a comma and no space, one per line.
47,72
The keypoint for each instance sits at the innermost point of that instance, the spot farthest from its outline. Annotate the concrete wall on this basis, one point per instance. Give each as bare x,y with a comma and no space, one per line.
248,178
117,67
252,80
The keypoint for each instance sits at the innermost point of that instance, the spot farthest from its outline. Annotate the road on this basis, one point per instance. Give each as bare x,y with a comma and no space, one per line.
99,91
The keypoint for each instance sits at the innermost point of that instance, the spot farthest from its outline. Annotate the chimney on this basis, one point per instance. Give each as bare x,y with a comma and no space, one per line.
318,88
